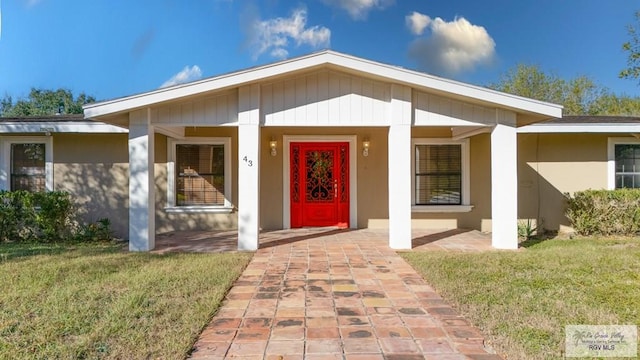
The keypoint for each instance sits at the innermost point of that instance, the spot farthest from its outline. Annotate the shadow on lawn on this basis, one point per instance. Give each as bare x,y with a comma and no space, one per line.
533,241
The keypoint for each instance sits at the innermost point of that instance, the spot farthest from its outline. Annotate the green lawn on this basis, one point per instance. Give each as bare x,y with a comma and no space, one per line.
522,300
97,301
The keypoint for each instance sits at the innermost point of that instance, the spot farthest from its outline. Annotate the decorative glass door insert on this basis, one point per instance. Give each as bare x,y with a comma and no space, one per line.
319,184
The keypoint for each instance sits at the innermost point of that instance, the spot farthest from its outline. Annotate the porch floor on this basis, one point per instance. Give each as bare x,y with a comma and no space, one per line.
224,241
335,294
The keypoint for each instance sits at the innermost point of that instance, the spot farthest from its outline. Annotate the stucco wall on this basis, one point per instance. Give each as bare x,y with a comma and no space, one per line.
166,221
552,164
480,187
94,169
372,186
372,179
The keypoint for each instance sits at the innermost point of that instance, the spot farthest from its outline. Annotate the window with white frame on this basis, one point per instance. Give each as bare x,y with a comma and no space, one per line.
440,173
199,174
627,173
26,163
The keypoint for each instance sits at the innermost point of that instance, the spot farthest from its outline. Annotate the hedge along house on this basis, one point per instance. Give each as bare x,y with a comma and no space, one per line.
86,158
325,139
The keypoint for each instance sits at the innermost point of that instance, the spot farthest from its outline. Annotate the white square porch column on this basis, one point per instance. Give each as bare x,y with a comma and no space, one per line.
141,182
248,167
400,168
504,182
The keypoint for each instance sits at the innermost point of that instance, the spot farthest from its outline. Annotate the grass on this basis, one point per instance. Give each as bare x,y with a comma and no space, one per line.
98,302
523,300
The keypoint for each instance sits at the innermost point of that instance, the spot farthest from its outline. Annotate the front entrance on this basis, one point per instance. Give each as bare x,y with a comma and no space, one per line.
319,184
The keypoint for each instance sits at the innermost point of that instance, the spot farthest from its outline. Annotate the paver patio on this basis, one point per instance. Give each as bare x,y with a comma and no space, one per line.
335,294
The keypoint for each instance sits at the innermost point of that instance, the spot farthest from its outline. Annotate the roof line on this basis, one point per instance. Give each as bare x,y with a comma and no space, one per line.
392,73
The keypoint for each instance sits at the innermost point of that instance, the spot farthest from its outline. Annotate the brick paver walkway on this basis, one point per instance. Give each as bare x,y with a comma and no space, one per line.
344,295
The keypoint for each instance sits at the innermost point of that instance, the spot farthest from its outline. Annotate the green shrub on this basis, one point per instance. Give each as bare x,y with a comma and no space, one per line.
605,212
96,231
53,215
45,216
17,215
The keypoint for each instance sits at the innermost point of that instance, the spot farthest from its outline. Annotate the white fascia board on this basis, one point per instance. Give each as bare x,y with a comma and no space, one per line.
463,132
580,128
202,86
57,127
391,73
176,133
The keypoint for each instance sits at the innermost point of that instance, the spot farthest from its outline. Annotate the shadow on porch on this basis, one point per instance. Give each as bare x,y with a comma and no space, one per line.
225,241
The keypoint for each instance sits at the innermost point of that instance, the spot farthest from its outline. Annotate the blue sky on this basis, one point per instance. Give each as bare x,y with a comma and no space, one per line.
114,48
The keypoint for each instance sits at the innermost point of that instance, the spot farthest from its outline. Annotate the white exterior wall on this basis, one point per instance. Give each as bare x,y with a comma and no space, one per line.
219,109
325,98
434,110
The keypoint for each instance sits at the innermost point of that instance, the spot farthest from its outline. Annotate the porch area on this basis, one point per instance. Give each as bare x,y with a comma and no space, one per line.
226,241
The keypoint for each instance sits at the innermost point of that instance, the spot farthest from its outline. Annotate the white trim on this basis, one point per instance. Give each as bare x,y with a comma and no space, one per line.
611,157
198,210
43,127
171,175
172,132
328,58
441,208
353,178
5,158
579,128
463,132
466,175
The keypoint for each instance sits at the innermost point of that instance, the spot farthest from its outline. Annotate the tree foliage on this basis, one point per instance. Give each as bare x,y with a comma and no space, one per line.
579,96
632,47
45,102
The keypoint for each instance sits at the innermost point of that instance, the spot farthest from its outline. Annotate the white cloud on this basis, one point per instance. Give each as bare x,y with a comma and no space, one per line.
186,75
273,35
359,9
452,47
417,22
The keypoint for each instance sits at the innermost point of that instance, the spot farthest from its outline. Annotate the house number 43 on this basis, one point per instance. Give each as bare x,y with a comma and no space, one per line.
248,161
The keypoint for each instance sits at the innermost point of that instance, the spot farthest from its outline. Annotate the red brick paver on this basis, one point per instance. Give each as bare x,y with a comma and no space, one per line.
335,295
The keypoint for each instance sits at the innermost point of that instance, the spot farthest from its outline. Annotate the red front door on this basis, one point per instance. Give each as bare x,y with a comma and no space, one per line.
319,184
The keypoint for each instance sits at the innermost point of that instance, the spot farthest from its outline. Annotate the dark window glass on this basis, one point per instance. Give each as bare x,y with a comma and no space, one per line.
438,174
627,166
200,175
28,167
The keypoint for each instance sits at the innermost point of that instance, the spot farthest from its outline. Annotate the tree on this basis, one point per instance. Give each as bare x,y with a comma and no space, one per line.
579,96
45,102
633,48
